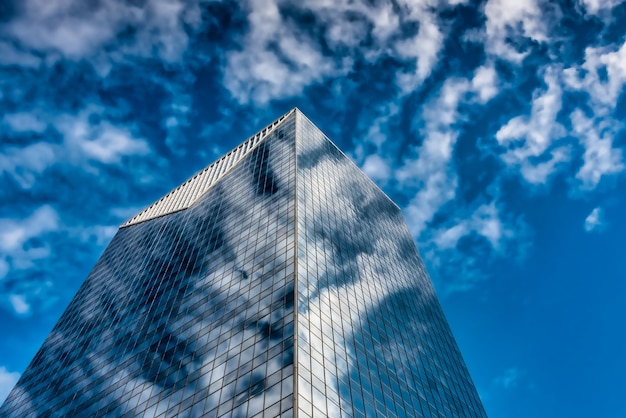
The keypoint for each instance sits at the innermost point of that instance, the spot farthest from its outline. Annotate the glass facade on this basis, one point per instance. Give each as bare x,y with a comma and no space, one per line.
291,287
372,340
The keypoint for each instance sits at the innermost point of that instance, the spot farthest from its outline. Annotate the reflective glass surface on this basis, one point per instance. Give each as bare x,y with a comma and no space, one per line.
197,313
189,314
372,338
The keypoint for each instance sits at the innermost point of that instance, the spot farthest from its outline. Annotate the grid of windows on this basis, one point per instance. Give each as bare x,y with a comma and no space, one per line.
293,274
372,338
189,314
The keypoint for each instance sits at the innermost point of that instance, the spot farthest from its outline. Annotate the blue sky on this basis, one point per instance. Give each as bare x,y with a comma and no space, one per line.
496,125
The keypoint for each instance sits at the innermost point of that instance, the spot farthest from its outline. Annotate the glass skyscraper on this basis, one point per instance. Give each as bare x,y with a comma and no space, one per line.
278,281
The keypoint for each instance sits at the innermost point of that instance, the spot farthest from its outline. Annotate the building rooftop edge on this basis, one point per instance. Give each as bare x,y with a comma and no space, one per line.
186,194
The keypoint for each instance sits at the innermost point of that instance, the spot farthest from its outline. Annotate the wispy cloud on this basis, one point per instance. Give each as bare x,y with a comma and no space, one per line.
510,24
278,59
485,83
293,45
102,141
593,221
460,249
15,234
485,221
539,145
603,79
86,139
29,253
527,137
374,151
433,171
99,31
600,158
423,48
598,7
22,245
19,304
377,168
602,75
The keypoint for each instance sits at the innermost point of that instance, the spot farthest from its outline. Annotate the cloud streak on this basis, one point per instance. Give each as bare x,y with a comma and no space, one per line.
103,32
528,137
84,143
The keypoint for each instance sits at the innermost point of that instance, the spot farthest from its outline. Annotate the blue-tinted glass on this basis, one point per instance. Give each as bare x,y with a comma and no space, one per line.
190,313
279,280
371,335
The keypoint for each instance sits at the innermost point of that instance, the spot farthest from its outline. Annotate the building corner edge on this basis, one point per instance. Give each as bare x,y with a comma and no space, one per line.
296,112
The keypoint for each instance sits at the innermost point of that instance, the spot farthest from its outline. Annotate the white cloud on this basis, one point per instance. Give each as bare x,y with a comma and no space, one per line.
448,238
484,221
377,168
593,221
7,382
485,83
600,158
19,304
529,136
595,7
492,232
25,164
81,30
509,21
604,76
372,150
504,233
423,48
23,245
538,173
102,142
84,141
18,252
432,171
52,25
15,233
277,59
